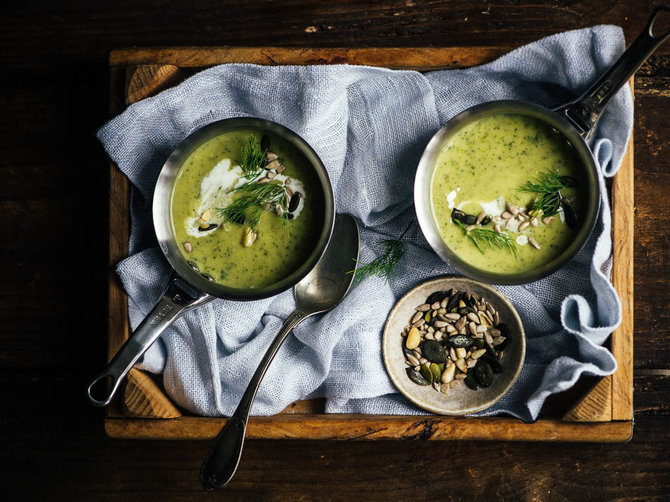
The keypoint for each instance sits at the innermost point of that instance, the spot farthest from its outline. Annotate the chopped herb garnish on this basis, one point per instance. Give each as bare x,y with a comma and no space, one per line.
481,237
384,265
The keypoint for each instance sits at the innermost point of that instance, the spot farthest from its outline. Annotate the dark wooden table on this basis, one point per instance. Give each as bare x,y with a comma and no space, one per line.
53,271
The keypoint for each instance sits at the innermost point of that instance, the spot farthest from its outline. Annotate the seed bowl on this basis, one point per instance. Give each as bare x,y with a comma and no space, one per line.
458,398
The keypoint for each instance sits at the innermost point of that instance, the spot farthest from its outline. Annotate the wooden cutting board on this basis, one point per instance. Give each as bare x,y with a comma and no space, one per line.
599,412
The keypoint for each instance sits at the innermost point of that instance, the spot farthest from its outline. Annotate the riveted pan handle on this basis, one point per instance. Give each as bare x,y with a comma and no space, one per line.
584,112
178,298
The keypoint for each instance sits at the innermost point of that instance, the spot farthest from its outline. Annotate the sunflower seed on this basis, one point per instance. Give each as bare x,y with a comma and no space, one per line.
429,336
416,317
497,228
461,353
524,226
474,318
440,324
413,360
481,329
288,180
472,328
438,336
460,324
441,311
547,220
270,175
460,364
533,243
417,352
450,328
488,338
452,354
423,360
509,223
480,217
496,319
280,169
497,219
498,341
436,386
444,303
435,306
494,332
423,307
444,388
264,179
471,363
512,208
460,376
478,353
453,316
534,222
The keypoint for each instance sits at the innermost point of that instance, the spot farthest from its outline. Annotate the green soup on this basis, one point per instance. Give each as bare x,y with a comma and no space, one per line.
206,184
483,169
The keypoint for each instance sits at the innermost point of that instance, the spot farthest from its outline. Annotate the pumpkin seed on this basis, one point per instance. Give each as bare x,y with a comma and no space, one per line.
416,377
435,298
470,382
433,351
436,372
460,341
483,373
426,373
495,365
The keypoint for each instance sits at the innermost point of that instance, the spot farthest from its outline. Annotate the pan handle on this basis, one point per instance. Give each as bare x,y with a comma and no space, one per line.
584,112
178,297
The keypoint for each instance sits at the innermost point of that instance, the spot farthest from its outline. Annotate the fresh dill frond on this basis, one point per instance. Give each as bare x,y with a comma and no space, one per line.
547,205
481,237
384,265
253,158
546,182
249,207
548,185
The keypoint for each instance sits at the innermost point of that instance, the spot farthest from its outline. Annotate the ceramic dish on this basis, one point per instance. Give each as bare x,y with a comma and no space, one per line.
459,400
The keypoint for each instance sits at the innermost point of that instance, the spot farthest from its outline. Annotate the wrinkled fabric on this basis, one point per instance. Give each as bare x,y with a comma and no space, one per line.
369,126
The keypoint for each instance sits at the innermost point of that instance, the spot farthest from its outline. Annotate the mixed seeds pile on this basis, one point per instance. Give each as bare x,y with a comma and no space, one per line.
454,336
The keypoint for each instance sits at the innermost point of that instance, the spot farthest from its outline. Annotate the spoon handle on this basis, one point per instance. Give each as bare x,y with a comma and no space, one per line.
222,461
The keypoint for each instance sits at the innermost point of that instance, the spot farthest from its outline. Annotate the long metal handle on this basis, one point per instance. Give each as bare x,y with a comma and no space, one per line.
178,297
584,112
222,461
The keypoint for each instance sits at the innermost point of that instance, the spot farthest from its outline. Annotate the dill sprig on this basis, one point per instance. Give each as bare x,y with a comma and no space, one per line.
253,158
548,185
546,182
384,265
248,208
481,237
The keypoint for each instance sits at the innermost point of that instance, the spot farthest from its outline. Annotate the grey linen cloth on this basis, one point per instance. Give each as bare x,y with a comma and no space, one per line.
369,126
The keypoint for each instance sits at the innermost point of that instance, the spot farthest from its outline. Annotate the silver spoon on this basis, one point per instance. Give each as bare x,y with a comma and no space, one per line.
321,290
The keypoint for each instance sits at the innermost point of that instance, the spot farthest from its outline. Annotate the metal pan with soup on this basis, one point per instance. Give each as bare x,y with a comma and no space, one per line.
246,210
507,191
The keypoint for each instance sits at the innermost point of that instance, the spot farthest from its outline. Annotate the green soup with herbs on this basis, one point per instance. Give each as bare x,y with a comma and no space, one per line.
246,211
507,193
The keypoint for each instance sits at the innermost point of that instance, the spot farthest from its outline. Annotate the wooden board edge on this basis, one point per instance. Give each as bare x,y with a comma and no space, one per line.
414,58
596,406
381,427
623,222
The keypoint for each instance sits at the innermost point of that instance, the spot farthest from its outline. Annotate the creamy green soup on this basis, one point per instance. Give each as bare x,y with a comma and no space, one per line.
483,169
206,184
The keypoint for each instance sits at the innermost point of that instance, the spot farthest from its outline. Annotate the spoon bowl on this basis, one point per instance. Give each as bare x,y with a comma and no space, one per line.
321,290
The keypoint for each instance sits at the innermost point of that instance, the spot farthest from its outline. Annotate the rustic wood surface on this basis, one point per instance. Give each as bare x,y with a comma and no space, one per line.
54,253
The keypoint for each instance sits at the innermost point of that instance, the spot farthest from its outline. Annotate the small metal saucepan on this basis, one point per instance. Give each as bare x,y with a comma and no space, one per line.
575,121
188,287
